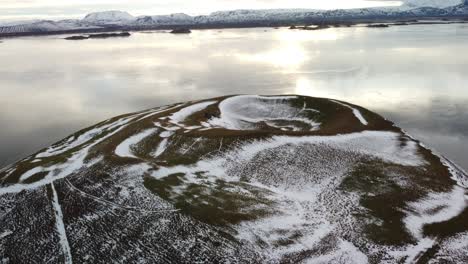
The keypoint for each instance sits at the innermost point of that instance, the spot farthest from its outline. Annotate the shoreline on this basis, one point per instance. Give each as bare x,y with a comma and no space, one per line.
304,24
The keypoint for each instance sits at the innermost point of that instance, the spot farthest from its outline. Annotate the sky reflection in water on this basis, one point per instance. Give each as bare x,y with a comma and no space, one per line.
415,76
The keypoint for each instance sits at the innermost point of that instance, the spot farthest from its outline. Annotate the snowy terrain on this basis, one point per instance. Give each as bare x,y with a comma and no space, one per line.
246,112
109,17
119,20
240,179
172,19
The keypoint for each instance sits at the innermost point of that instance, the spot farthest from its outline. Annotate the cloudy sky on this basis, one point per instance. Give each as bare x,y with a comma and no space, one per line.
54,9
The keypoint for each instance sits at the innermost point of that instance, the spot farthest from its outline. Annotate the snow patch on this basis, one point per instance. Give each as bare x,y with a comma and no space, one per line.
61,226
84,138
453,250
434,208
158,111
378,144
161,148
60,171
422,214
414,252
180,116
382,145
30,173
246,111
166,134
356,112
301,204
346,252
5,234
124,149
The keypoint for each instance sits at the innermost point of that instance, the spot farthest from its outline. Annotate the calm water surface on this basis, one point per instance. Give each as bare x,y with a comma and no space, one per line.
416,76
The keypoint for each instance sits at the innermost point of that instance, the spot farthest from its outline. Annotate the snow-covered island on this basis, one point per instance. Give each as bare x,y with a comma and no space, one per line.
123,21
239,179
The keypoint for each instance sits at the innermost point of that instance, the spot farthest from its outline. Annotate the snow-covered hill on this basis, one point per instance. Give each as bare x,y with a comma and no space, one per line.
239,16
47,26
109,17
179,18
240,179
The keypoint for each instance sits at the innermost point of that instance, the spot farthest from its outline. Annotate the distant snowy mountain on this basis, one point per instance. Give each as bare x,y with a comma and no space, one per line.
112,20
109,17
17,22
178,18
47,26
239,16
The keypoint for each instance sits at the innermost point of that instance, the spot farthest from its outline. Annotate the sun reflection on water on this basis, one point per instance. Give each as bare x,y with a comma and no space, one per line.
289,53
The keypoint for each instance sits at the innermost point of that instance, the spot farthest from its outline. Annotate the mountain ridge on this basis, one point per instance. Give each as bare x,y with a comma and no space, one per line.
120,20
